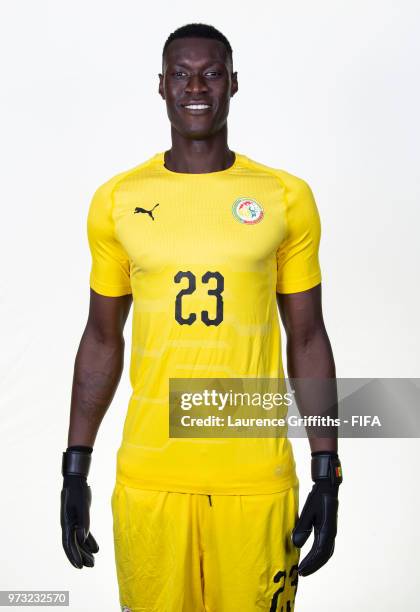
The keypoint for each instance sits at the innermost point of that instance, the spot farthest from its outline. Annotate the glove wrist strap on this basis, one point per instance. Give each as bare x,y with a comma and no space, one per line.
325,467
75,463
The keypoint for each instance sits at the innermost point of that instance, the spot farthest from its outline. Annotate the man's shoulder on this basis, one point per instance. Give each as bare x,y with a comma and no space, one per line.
107,186
288,179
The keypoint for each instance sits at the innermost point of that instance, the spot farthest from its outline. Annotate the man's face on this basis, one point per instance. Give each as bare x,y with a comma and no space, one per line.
197,71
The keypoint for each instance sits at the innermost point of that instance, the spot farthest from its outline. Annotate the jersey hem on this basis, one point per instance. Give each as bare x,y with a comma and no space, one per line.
109,290
262,488
302,285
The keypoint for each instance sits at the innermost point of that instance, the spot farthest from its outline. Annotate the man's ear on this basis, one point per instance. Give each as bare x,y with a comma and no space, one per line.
161,91
234,84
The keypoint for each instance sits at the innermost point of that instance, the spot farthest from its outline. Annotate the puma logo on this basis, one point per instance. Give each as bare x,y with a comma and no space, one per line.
147,212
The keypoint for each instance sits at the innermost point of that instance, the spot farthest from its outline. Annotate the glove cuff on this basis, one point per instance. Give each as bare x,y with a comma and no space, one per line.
326,467
76,463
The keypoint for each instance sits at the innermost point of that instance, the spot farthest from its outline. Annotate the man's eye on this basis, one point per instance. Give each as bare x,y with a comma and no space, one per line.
211,73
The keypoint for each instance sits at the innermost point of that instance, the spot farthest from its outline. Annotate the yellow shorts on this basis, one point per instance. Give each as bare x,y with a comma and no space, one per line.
188,552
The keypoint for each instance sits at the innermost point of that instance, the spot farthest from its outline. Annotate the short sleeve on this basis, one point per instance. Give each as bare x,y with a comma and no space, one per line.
298,266
110,269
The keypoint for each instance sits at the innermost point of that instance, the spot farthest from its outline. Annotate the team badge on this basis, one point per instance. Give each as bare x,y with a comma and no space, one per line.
247,211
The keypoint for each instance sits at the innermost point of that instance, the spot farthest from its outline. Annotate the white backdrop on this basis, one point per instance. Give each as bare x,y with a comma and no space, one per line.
328,91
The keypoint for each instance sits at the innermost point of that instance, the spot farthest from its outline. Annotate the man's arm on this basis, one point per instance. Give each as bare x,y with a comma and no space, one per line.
98,366
97,372
309,353
310,360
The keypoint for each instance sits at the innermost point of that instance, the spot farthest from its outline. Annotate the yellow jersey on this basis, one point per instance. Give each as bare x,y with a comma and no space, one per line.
203,256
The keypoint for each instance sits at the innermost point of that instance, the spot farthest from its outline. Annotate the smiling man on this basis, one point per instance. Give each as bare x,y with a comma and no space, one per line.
207,244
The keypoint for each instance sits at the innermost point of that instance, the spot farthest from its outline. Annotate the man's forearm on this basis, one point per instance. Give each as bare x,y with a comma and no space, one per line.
310,360
97,372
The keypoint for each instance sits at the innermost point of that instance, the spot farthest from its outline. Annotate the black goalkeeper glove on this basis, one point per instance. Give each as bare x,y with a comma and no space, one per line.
76,497
319,512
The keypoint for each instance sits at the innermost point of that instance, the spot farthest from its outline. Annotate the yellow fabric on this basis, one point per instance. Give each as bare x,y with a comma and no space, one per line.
194,229
182,552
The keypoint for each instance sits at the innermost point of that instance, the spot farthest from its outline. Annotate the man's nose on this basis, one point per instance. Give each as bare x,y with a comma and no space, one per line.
196,83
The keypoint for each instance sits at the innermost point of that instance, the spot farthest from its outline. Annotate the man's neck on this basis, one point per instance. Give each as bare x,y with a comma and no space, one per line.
199,156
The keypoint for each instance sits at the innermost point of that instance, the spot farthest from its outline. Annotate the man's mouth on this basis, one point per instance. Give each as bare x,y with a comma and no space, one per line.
197,106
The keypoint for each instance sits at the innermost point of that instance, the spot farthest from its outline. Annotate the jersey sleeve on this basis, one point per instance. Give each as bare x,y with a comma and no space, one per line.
110,269
298,266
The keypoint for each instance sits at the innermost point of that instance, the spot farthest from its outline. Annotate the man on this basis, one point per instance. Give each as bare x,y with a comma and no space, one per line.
201,239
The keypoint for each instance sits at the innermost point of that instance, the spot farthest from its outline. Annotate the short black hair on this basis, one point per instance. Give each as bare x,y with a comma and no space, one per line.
198,30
